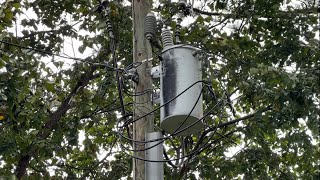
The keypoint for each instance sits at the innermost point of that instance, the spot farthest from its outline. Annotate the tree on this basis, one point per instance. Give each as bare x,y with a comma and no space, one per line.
263,68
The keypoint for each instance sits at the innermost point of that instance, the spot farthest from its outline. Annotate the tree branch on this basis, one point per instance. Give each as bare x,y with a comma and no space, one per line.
53,119
210,13
184,169
167,158
222,21
37,33
101,161
312,10
64,28
239,119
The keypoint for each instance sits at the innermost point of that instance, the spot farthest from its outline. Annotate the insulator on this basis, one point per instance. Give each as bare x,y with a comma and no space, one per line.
108,23
109,28
178,28
150,26
167,39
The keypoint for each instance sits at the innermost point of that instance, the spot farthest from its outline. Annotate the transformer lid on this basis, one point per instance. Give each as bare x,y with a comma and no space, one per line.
180,46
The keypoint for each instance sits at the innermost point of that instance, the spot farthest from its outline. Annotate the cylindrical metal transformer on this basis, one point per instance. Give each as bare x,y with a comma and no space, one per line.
181,69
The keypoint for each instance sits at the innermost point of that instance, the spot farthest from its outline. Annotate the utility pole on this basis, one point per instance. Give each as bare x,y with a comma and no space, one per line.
143,104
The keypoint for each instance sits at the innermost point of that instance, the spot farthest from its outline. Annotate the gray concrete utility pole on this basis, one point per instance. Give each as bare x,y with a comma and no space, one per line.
143,104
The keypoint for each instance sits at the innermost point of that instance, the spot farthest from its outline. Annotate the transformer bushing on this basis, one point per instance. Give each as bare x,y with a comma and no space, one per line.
181,69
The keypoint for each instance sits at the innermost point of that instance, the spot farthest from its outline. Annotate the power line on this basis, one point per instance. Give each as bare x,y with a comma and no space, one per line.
127,123
59,55
175,132
197,150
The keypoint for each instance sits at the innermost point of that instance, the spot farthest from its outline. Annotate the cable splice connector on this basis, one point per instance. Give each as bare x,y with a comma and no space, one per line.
133,75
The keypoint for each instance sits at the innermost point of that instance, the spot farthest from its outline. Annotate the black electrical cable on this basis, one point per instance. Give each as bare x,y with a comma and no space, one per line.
207,114
204,136
199,150
122,136
58,55
177,129
196,151
126,124
190,154
164,138
167,158
174,133
114,58
123,111
140,93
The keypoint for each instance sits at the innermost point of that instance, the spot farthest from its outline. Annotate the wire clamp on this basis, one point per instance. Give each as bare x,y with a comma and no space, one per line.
155,98
133,75
155,72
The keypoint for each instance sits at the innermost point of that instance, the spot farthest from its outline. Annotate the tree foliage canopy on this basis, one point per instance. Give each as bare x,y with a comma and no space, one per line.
58,115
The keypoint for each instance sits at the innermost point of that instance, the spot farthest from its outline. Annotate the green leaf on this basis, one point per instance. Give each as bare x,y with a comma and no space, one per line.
16,5
2,63
256,57
50,86
8,15
34,132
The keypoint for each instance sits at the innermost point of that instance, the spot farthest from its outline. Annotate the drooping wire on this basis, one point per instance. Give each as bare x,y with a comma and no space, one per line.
129,122
140,93
212,134
201,148
178,127
171,135
196,151
61,56
104,6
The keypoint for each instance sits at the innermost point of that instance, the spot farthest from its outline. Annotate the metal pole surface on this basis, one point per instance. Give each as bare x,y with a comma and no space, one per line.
154,170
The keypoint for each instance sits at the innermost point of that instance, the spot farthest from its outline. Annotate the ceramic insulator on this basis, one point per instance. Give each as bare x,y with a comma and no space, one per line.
150,25
167,39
